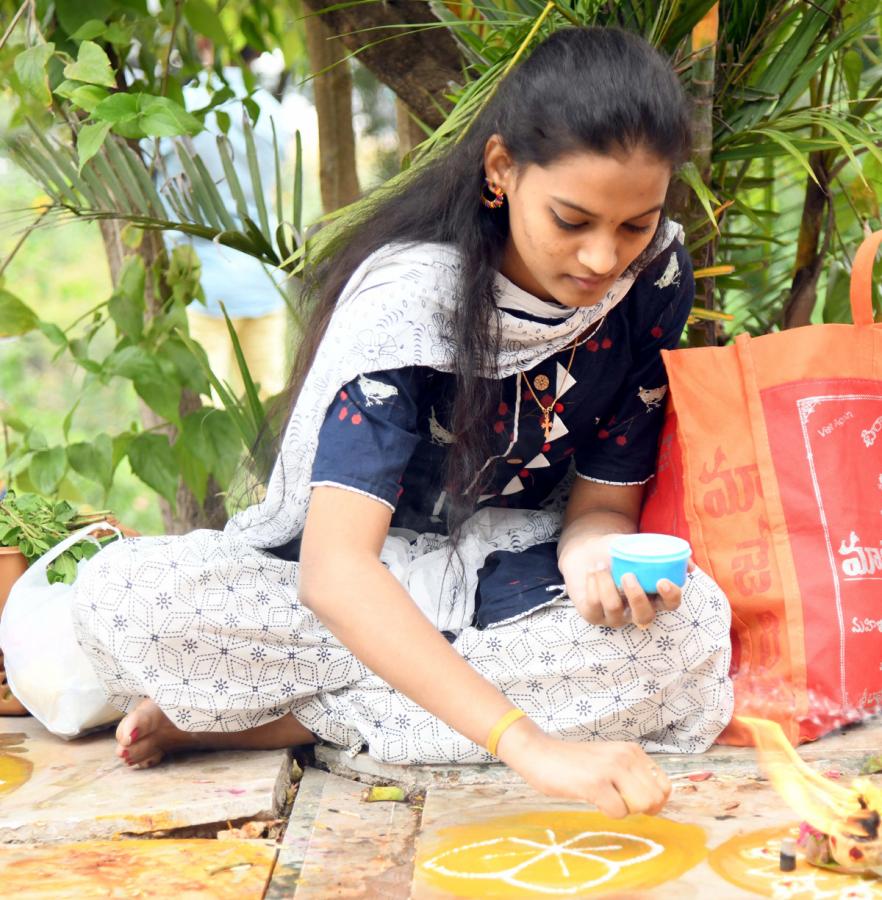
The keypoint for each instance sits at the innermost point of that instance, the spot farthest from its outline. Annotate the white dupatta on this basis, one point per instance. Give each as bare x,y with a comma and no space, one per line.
395,311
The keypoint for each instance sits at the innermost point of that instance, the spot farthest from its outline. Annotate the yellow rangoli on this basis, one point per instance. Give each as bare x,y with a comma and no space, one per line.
751,861
557,853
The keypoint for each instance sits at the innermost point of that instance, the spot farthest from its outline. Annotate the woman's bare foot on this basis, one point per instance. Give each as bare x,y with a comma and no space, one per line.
146,734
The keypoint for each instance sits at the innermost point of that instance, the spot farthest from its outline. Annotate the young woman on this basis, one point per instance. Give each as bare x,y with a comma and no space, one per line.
474,418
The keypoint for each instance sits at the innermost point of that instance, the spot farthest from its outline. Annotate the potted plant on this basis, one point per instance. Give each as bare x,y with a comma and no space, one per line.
30,525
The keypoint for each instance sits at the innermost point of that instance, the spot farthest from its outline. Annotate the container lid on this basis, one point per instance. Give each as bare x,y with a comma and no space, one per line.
650,546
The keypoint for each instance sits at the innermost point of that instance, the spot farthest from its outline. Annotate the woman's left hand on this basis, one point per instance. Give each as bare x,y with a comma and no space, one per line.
585,565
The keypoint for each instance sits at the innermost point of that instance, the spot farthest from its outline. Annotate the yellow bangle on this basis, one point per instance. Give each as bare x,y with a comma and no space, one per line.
500,727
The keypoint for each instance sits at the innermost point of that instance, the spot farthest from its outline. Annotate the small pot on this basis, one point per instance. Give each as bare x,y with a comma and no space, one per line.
12,565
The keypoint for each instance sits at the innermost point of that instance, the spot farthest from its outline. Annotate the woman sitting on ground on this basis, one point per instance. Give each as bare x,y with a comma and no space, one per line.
474,416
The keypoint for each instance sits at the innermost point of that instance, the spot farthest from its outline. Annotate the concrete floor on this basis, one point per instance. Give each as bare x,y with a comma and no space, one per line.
74,822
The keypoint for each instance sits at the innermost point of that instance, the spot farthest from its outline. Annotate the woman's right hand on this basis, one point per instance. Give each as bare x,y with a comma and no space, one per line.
616,776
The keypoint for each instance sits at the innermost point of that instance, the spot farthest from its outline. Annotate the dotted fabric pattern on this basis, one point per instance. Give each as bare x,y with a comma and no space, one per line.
213,632
210,627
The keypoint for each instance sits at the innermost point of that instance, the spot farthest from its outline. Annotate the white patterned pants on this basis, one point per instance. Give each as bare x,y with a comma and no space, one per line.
212,631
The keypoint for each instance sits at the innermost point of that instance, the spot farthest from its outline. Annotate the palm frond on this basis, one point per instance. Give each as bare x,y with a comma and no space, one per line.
115,184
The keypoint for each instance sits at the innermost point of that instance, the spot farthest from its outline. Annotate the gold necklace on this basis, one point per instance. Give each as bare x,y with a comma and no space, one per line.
546,421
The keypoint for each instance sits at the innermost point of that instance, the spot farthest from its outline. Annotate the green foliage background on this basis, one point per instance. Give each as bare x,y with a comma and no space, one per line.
788,94
62,272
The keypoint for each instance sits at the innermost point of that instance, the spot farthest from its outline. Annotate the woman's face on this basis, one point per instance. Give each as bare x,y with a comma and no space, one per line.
577,224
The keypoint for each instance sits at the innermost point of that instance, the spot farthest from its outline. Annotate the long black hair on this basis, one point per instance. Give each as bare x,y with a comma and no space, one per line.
600,90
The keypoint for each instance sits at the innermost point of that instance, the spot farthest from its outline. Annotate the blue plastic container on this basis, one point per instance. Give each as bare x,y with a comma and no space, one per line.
650,557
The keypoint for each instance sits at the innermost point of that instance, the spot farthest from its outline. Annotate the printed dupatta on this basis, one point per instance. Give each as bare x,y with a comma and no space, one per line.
395,311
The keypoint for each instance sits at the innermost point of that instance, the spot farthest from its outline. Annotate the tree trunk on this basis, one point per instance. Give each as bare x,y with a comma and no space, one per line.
418,64
333,102
189,514
800,305
704,46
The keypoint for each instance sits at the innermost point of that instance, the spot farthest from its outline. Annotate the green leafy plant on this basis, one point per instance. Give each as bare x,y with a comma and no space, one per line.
35,524
785,178
93,89
193,442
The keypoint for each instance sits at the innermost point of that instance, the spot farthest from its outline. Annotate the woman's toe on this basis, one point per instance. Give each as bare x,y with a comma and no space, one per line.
144,749
127,730
150,761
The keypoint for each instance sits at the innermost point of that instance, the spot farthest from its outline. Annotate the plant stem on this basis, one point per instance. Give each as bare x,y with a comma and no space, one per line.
179,6
23,238
14,22
532,33
85,315
22,523
88,518
568,15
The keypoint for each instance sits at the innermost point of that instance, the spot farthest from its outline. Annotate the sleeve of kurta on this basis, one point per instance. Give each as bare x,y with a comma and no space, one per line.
369,434
624,447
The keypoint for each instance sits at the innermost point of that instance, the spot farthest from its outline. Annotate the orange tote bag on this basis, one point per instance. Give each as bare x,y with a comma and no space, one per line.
770,464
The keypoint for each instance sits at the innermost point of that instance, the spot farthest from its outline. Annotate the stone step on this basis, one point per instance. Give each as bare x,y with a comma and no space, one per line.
59,790
338,845
191,869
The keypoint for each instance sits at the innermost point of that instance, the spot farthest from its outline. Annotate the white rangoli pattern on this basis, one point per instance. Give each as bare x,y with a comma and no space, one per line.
807,883
535,852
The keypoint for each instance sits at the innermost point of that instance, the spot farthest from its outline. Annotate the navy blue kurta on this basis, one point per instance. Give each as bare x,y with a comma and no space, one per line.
387,433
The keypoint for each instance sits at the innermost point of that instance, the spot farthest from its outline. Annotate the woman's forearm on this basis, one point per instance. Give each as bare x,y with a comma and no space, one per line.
590,523
597,509
369,611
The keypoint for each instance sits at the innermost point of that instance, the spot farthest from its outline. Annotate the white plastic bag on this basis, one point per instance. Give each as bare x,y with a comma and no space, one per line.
45,666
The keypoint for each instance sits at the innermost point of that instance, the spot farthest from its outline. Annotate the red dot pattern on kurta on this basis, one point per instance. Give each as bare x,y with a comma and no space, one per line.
355,418
503,409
